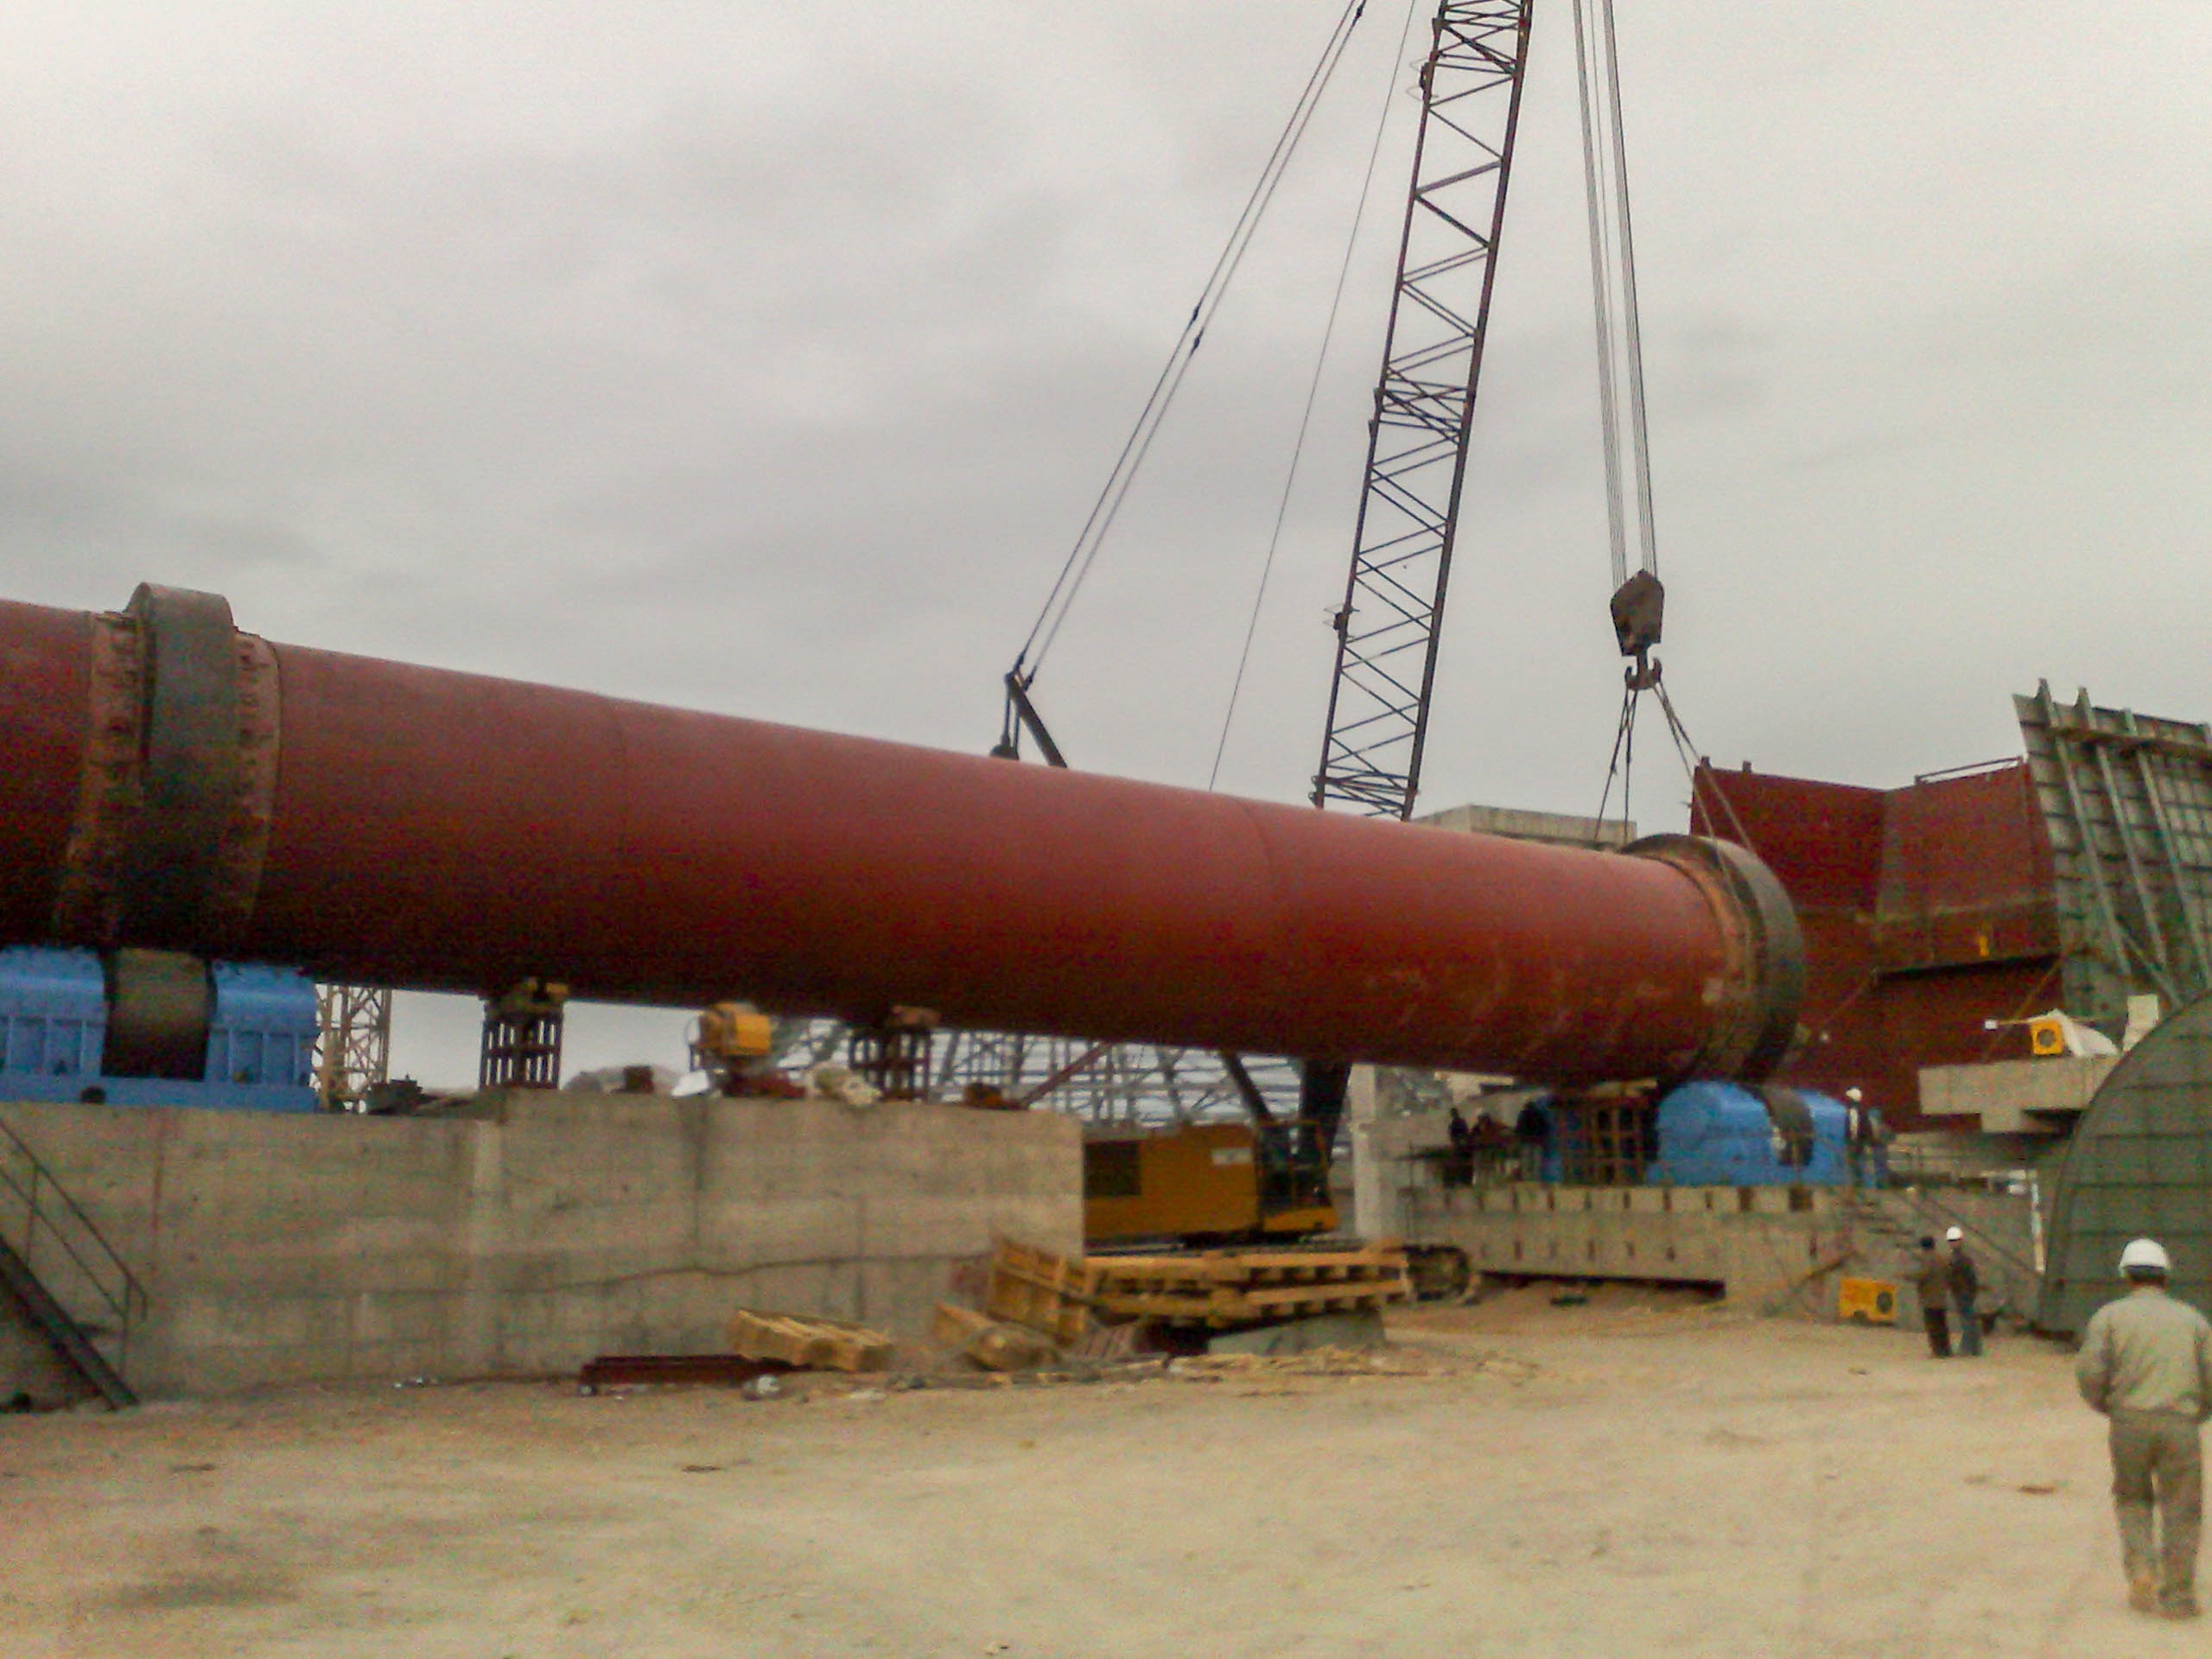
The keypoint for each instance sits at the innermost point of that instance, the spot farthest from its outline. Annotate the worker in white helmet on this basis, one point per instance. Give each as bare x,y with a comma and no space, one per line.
2146,1363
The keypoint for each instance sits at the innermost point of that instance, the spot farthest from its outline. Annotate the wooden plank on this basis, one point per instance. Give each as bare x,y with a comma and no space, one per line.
1270,1297
994,1346
1220,1287
808,1343
1034,1287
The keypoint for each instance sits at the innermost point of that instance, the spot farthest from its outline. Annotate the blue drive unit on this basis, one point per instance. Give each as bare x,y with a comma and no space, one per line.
53,1022
1722,1135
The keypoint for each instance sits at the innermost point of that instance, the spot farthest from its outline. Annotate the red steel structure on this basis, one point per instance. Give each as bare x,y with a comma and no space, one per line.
169,784
1927,909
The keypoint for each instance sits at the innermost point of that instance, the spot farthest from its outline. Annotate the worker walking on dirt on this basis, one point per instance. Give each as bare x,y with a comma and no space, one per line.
1966,1289
2146,1363
1931,1277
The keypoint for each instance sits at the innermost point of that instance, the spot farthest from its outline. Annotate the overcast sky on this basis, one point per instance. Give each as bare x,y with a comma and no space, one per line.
766,358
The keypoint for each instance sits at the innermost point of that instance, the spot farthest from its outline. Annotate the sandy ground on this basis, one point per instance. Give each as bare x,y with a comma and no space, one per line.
1618,1479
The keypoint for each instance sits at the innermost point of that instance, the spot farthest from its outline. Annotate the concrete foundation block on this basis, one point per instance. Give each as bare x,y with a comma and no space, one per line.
547,1231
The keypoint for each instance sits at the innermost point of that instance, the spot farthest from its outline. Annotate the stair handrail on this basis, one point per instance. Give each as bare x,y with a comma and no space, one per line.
132,1300
1928,1208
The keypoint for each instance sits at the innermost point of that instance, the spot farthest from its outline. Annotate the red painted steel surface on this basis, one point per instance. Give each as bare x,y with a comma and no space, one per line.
45,667
446,831
1926,910
1966,873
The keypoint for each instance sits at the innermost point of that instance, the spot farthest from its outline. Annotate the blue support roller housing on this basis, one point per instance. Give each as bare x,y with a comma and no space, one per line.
260,1053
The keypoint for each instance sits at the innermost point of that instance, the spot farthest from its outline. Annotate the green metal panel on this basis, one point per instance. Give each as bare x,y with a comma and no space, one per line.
2140,1163
2127,803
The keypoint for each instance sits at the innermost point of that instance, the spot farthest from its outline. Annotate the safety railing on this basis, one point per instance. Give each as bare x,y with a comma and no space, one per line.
1930,1216
48,1215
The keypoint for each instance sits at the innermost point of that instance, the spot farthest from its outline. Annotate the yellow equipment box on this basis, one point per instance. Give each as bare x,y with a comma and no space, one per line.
1870,1301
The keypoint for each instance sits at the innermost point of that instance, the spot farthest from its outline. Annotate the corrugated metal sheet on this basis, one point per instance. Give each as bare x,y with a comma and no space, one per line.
2140,1163
2126,800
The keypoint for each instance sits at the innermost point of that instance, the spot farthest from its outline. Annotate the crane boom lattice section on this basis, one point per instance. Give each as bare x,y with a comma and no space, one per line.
1417,446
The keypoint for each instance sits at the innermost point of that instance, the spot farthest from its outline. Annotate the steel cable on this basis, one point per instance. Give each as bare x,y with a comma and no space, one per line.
1312,392
1077,567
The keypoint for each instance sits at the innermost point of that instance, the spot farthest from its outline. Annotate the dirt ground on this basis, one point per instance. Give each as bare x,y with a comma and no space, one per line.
1629,1477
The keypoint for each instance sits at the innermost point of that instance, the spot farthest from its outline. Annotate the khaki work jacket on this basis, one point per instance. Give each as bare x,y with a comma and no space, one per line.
2147,1352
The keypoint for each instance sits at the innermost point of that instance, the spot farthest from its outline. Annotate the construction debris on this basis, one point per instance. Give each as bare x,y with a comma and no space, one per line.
810,1344
635,1371
1361,1328
1344,1362
994,1346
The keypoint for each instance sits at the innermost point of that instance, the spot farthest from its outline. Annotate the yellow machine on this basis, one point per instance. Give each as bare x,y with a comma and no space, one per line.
1867,1302
733,1045
1206,1181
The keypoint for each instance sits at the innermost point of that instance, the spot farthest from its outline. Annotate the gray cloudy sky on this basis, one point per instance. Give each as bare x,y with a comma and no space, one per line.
766,358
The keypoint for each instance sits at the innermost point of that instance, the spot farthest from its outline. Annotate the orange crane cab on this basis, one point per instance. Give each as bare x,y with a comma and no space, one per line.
1205,1182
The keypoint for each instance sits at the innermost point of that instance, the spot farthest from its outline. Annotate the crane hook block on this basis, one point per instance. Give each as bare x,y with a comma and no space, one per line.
1639,608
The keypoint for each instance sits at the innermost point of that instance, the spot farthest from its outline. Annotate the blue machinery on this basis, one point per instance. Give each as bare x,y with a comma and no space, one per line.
54,1009
1710,1134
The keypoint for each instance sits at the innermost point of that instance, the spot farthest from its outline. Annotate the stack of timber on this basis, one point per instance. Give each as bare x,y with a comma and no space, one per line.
1220,1288
808,1343
1046,1293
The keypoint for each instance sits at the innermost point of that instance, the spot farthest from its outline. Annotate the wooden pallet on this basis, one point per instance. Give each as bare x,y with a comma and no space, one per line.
809,1344
1220,1287
1046,1293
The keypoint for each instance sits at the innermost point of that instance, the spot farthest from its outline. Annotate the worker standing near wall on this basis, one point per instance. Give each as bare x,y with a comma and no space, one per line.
1931,1277
1966,1291
2146,1363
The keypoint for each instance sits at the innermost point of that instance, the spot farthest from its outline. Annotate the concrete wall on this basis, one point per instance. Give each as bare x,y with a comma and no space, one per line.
1775,1248
1748,1240
2036,1097
554,1228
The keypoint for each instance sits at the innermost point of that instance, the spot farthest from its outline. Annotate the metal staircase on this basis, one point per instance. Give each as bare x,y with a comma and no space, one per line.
1890,1222
64,1277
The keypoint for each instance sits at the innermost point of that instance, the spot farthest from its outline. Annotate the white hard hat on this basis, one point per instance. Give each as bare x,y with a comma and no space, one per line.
2144,1253
1853,1093
1955,1235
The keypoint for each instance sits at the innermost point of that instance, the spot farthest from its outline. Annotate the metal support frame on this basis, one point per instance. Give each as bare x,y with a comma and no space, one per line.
2127,804
1387,628
893,1057
1118,1083
352,1044
522,1037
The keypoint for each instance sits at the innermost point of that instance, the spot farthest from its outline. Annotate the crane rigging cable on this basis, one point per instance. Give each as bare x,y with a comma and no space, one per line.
1613,283
1312,393
1639,599
1082,555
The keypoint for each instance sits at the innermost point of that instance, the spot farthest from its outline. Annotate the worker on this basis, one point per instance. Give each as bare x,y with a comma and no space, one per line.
1530,1130
1966,1287
1861,1151
1460,1172
1931,1277
2146,1363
